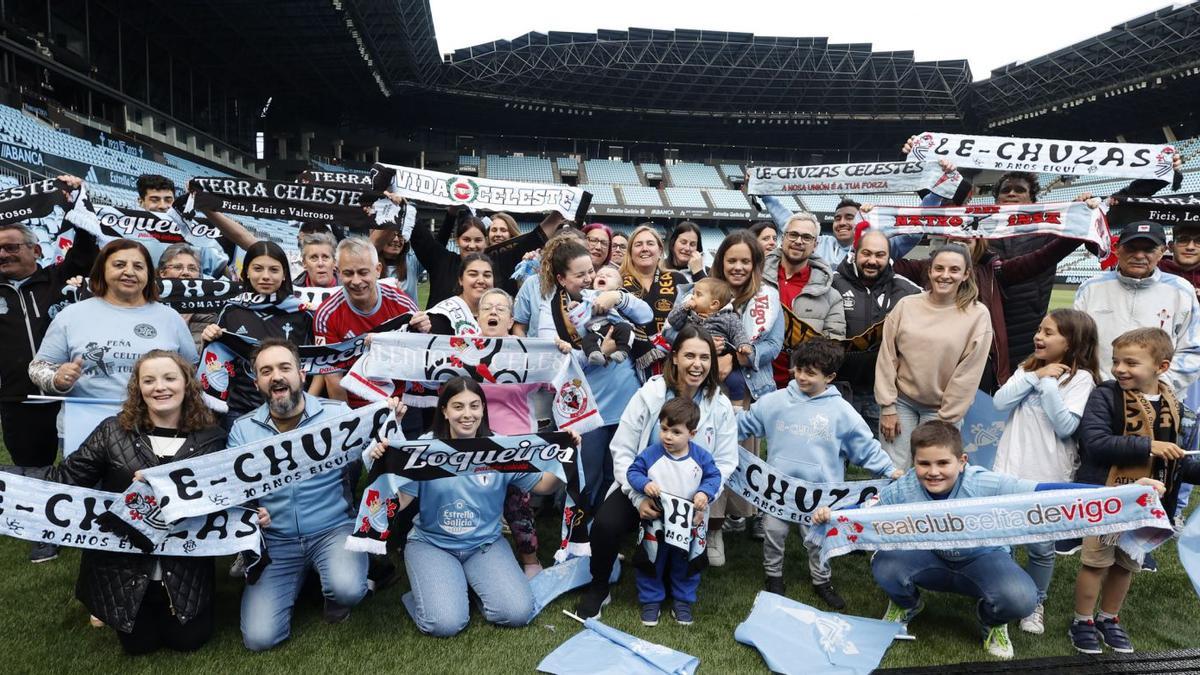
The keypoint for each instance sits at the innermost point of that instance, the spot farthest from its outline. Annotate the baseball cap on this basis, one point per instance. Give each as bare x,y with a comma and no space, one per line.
1143,229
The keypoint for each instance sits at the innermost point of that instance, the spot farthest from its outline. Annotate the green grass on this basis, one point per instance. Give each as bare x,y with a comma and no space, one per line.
1062,296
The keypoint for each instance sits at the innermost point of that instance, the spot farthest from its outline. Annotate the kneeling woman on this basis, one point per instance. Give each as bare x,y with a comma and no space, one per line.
152,601
455,540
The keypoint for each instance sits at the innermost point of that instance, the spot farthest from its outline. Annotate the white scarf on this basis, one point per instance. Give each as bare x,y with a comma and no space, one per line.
760,313
462,321
435,187
1040,155
860,178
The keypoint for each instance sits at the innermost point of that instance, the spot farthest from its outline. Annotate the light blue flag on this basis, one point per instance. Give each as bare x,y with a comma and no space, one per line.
565,576
1189,550
603,650
795,638
981,430
81,416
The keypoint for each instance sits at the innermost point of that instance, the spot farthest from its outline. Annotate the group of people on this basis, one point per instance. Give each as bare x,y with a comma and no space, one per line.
833,349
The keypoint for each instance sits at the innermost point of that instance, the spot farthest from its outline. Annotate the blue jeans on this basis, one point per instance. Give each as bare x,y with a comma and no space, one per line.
910,415
597,464
440,577
670,567
267,604
865,405
1004,590
1040,566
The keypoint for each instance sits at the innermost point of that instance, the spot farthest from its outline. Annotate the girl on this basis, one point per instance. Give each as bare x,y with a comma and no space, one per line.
502,228
399,261
685,255
456,315
1045,400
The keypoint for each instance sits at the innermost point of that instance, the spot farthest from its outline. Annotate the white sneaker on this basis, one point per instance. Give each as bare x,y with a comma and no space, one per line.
996,642
1035,623
716,549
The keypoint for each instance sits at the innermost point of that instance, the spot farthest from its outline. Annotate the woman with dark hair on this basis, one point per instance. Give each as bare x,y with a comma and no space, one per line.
685,254
458,314
598,238
618,249
767,235
452,548
399,260
267,309
91,346
152,601
689,373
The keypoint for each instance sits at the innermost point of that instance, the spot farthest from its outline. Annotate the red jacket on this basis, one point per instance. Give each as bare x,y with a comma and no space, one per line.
1169,266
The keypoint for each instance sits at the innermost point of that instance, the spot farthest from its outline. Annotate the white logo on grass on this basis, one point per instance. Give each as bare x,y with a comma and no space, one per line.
833,631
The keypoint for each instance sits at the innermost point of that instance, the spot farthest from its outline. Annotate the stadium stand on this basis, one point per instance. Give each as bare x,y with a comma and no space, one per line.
728,199
652,170
733,172
602,194
694,175
685,197
567,165
529,169
611,172
640,195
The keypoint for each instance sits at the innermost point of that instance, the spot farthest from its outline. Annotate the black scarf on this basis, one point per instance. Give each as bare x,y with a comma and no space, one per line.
33,200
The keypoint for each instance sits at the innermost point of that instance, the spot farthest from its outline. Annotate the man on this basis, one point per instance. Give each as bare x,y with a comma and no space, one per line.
30,297
317,261
1137,294
832,250
156,194
310,520
869,288
803,280
1184,260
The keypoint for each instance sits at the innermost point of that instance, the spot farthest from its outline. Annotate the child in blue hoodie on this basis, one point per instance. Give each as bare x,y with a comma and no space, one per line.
811,431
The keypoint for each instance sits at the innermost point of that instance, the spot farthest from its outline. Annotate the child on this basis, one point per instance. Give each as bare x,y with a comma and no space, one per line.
709,307
811,431
1128,431
1045,400
677,466
596,326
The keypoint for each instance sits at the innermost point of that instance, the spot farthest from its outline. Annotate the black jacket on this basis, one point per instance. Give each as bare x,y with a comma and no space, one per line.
1025,303
111,585
864,307
27,312
271,323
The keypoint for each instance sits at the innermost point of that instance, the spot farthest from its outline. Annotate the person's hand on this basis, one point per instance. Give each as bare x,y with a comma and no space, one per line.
563,346
1052,370
397,406
889,426
576,439
821,515
696,262
419,323
651,490
1156,484
264,518
608,346
719,342
532,255
1177,163
896,474
75,281
211,332
1166,450
137,476
73,183
724,366
1082,197
605,301
746,350
947,166
1093,203
908,145
68,374
377,450
394,198
700,501
689,304
648,511
866,208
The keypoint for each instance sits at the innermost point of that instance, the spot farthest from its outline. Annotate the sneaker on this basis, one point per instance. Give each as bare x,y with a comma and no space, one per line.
734,524
596,359
42,552
1084,637
897,614
334,613
1035,623
829,596
237,569
1068,546
592,601
682,611
716,549
650,612
1149,564
618,357
996,642
756,529
1113,635
775,585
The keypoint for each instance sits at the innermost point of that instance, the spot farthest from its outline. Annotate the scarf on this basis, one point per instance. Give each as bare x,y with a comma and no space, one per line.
297,202
759,314
33,200
509,360
674,528
65,515
1073,220
1008,520
796,330
567,317
1181,210
430,459
860,178
197,295
660,296
787,498
487,194
462,320
277,302
1040,155
107,223
313,297
1140,420
216,481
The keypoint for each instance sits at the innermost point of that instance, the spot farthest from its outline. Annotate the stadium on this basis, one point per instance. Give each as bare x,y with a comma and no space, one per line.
659,126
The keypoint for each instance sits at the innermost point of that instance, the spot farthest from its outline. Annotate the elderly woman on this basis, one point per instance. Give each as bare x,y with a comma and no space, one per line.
181,261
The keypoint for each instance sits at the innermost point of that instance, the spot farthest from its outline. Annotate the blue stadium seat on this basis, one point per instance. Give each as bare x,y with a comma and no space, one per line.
610,172
694,175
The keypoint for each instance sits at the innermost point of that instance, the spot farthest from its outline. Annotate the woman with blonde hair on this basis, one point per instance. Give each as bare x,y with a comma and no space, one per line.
645,275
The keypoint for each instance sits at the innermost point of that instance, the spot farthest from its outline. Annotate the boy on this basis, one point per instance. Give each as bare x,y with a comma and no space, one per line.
677,466
708,307
1128,431
811,431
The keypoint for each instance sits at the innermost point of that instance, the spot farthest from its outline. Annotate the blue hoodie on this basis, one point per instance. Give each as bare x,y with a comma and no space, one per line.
808,437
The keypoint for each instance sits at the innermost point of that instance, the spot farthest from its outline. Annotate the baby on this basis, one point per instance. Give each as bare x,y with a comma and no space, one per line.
598,321
709,307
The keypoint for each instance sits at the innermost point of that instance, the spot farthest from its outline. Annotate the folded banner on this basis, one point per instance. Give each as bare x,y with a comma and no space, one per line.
559,578
107,223
1041,155
1178,210
796,639
599,649
32,200
216,481
1073,220
65,515
437,358
431,459
197,295
860,178
434,187
300,202
675,528
1134,511
796,330
787,498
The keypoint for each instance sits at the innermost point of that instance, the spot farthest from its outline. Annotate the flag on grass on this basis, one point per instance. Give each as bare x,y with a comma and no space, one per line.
795,638
1189,550
602,650
981,430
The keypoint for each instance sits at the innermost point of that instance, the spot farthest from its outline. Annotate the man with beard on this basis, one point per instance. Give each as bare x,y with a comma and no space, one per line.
870,288
832,250
310,520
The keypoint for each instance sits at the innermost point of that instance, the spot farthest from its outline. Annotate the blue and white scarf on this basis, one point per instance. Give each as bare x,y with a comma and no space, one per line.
787,498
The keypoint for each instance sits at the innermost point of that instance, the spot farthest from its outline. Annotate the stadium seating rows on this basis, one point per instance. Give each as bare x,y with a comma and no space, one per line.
686,174
528,169
610,172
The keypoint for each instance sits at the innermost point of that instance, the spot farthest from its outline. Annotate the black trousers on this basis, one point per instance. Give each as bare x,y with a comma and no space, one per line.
614,522
30,432
156,627
622,334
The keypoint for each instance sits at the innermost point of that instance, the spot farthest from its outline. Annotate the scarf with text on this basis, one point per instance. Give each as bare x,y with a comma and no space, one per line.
1168,211
796,330
488,194
107,223
761,316
1041,155
456,310
197,295
792,499
860,178
217,481
405,462
1140,419
298,202
1133,511
65,515
1073,220
32,200
675,527
509,360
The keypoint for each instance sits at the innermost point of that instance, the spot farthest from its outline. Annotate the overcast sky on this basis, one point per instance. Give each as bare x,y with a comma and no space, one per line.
987,34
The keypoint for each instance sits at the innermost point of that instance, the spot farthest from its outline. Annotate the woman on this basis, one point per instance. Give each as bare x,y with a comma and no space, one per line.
151,601
684,252
457,314
644,276
935,346
452,547
767,235
502,228
690,373
399,260
317,259
537,290
91,346
181,261
620,245
268,309
598,237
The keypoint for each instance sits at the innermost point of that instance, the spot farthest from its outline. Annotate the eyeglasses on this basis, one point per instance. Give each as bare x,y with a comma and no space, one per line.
597,241
620,247
799,236
503,309
179,267
1179,239
14,248
1009,188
